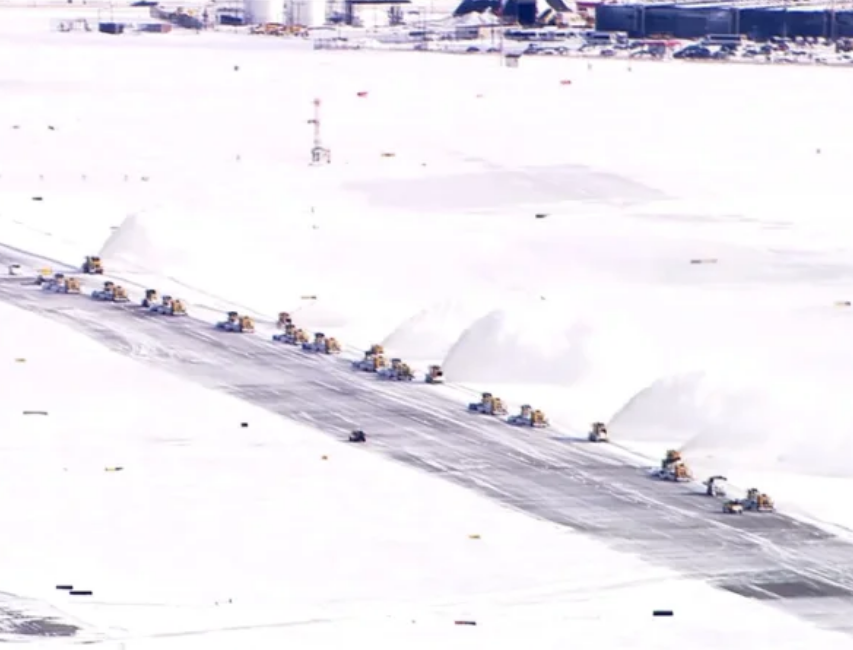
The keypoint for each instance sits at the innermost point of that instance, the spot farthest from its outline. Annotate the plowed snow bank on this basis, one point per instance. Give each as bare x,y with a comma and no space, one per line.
296,266
543,342
760,419
431,333
524,343
140,244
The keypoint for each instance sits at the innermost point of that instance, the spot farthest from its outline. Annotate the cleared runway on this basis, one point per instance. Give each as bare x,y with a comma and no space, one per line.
771,557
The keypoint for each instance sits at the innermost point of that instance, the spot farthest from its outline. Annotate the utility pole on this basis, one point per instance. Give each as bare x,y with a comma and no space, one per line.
319,154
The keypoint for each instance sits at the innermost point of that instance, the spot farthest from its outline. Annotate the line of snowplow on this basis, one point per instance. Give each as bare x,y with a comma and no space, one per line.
374,360
673,468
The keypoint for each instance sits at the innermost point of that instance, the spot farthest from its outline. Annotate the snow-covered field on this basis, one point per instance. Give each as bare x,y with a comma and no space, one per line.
183,160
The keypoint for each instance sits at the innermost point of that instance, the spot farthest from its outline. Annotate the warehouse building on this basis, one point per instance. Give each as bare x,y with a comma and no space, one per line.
685,21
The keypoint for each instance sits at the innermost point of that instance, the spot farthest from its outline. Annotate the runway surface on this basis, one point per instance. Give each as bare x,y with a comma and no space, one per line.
772,557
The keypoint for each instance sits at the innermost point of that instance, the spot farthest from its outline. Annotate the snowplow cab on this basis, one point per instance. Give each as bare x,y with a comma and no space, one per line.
332,345
167,301
378,361
764,502
290,329
681,471
233,317
672,457
376,349
109,287
396,364
526,411
486,398
319,339
92,264
247,324
598,433
151,295
435,372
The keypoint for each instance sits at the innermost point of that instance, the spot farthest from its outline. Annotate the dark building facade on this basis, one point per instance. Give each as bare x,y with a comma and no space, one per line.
693,22
522,12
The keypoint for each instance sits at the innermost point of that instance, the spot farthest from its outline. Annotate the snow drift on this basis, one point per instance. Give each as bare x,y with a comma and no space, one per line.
669,410
301,266
545,342
758,419
525,344
140,245
431,333
751,392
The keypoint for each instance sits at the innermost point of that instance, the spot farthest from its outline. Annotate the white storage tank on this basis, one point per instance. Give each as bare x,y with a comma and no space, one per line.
262,12
307,13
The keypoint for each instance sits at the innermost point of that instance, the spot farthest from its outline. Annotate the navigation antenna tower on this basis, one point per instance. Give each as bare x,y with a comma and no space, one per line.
319,154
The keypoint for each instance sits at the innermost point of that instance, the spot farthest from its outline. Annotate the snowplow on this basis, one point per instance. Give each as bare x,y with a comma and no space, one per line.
435,375
52,283
755,501
43,275
322,344
397,371
291,335
488,405
715,486
733,507
234,322
59,283
150,300
178,308
72,285
528,417
373,361
672,468
598,433
758,501
169,307
111,293
332,345
92,265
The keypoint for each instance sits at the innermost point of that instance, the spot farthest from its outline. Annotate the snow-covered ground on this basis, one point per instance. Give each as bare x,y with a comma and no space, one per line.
193,531
183,160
